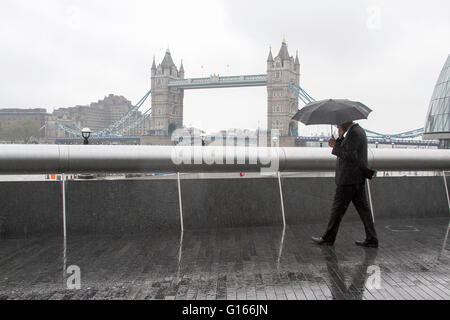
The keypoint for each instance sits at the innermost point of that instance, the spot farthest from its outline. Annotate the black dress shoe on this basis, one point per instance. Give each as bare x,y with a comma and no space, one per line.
321,241
367,244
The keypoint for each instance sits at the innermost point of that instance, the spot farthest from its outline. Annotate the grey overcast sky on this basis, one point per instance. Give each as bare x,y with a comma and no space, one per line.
386,54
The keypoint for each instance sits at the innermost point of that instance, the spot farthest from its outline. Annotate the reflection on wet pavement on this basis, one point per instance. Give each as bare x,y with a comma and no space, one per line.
357,287
242,263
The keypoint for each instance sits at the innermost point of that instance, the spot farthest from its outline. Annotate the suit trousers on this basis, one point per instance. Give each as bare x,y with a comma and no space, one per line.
355,193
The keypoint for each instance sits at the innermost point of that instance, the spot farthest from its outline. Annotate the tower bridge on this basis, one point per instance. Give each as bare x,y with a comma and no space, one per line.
168,84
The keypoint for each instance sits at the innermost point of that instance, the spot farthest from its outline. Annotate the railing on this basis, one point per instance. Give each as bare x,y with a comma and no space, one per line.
36,159
19,159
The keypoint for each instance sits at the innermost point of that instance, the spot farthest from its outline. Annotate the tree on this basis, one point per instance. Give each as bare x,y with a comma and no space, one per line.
23,129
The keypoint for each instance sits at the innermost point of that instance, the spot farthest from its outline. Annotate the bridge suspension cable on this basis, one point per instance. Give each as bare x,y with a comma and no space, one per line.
117,125
135,124
121,121
76,125
403,135
118,128
301,94
306,98
68,129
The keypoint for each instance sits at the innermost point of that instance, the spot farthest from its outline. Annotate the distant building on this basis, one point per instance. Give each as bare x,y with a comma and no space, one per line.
38,115
97,116
437,124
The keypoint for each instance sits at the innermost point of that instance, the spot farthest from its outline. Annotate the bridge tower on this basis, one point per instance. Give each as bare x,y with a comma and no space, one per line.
167,103
282,102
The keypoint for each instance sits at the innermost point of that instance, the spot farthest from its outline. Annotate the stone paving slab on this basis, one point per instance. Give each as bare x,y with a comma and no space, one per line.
241,263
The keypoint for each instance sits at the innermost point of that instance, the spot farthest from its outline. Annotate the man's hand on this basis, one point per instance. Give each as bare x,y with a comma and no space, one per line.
332,142
340,132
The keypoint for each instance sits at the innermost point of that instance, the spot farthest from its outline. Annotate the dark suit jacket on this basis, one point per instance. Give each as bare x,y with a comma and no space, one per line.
351,155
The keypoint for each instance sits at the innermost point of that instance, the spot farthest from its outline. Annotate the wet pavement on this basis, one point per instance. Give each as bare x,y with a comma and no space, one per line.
242,263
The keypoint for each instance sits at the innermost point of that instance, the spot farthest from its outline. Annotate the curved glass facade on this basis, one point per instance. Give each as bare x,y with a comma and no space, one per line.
437,124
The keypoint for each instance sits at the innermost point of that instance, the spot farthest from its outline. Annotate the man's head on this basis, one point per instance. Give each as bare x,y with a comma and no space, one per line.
344,127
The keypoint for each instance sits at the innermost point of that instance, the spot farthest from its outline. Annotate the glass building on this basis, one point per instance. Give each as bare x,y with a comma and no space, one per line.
437,126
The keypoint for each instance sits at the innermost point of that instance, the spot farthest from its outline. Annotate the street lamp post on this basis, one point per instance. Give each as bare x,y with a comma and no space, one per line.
86,133
275,141
203,138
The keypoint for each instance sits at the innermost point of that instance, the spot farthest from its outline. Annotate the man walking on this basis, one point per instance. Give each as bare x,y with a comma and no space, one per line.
351,170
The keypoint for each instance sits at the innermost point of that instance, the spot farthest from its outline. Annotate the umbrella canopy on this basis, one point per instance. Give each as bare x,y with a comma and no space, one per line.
332,112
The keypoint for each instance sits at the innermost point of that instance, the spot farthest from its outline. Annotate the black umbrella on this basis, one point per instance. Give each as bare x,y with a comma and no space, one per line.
332,112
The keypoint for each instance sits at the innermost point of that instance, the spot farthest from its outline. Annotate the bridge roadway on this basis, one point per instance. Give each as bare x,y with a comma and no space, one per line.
214,81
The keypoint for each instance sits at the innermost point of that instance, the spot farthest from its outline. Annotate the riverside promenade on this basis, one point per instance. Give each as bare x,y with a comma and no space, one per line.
234,263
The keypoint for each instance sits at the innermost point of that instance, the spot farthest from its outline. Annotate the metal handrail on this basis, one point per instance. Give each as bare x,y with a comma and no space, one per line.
35,159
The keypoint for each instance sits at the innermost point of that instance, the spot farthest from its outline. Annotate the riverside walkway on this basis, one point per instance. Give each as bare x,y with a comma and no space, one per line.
234,263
